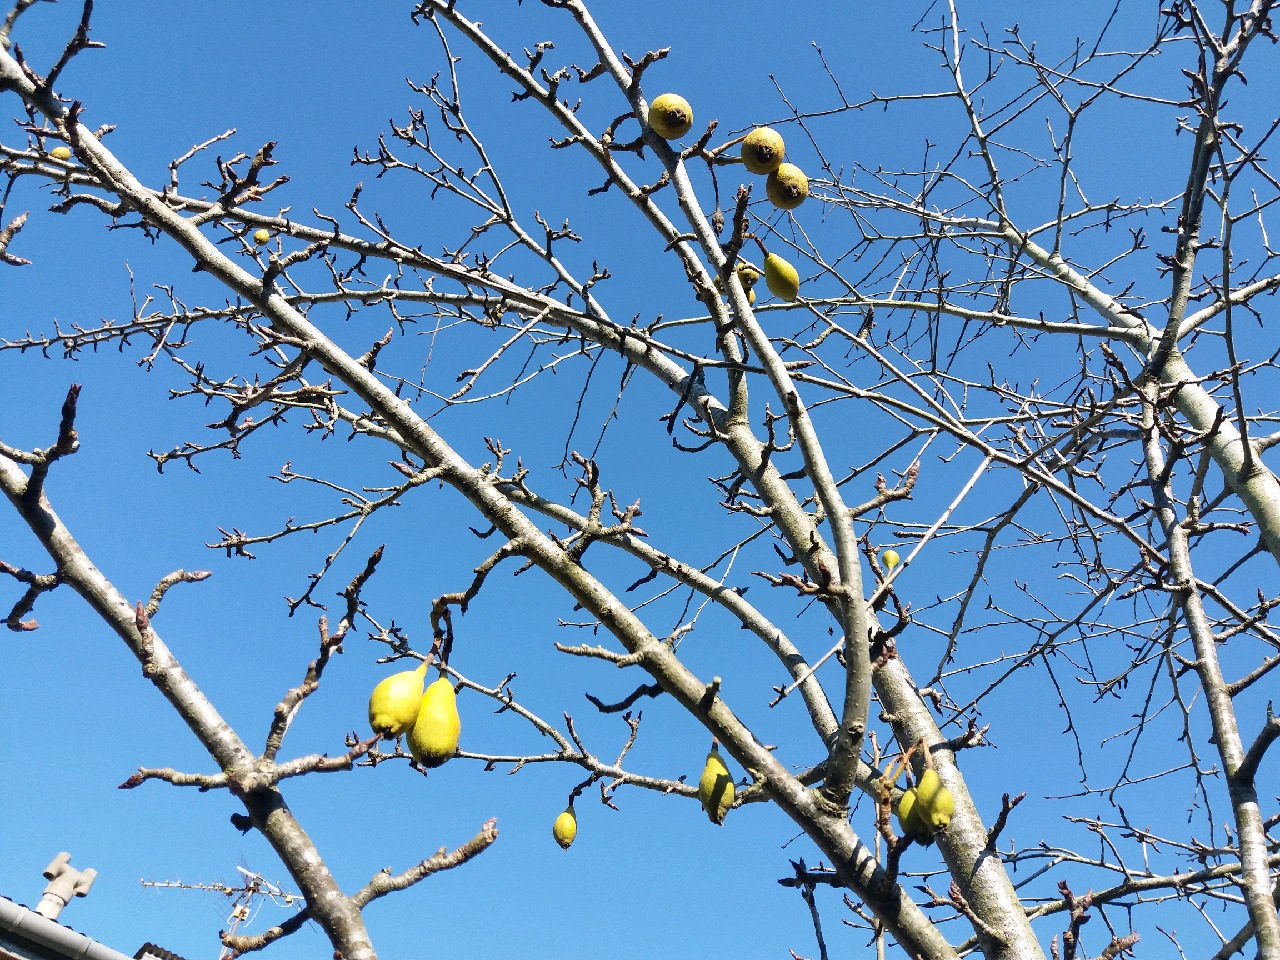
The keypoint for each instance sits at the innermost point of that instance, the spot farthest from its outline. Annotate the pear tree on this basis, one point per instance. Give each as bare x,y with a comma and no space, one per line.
958,546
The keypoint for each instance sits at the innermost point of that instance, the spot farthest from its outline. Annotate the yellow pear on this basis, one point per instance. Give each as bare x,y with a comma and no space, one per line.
763,150
787,186
890,559
781,277
747,276
934,800
434,737
393,706
565,828
909,818
60,153
715,787
942,810
261,236
670,116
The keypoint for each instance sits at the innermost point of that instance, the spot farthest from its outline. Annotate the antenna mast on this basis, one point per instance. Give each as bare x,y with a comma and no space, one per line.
245,899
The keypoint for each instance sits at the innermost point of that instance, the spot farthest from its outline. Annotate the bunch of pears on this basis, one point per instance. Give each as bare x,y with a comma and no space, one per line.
779,276
763,153
926,807
400,704
763,150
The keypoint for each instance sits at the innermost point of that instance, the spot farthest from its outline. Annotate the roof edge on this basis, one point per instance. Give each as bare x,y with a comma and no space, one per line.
52,935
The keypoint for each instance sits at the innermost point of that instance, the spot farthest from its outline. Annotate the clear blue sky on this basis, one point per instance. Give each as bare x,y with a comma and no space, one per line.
322,79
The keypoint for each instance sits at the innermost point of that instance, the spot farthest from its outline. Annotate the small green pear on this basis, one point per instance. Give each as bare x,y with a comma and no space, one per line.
393,705
670,116
434,736
565,828
715,787
890,559
781,278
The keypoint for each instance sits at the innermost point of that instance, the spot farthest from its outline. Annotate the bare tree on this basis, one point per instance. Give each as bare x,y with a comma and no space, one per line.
1073,373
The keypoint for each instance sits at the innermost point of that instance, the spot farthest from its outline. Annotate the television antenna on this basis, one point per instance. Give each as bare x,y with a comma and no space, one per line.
246,899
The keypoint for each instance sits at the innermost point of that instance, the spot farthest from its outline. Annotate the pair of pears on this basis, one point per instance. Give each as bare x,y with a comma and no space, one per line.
763,151
926,807
400,705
